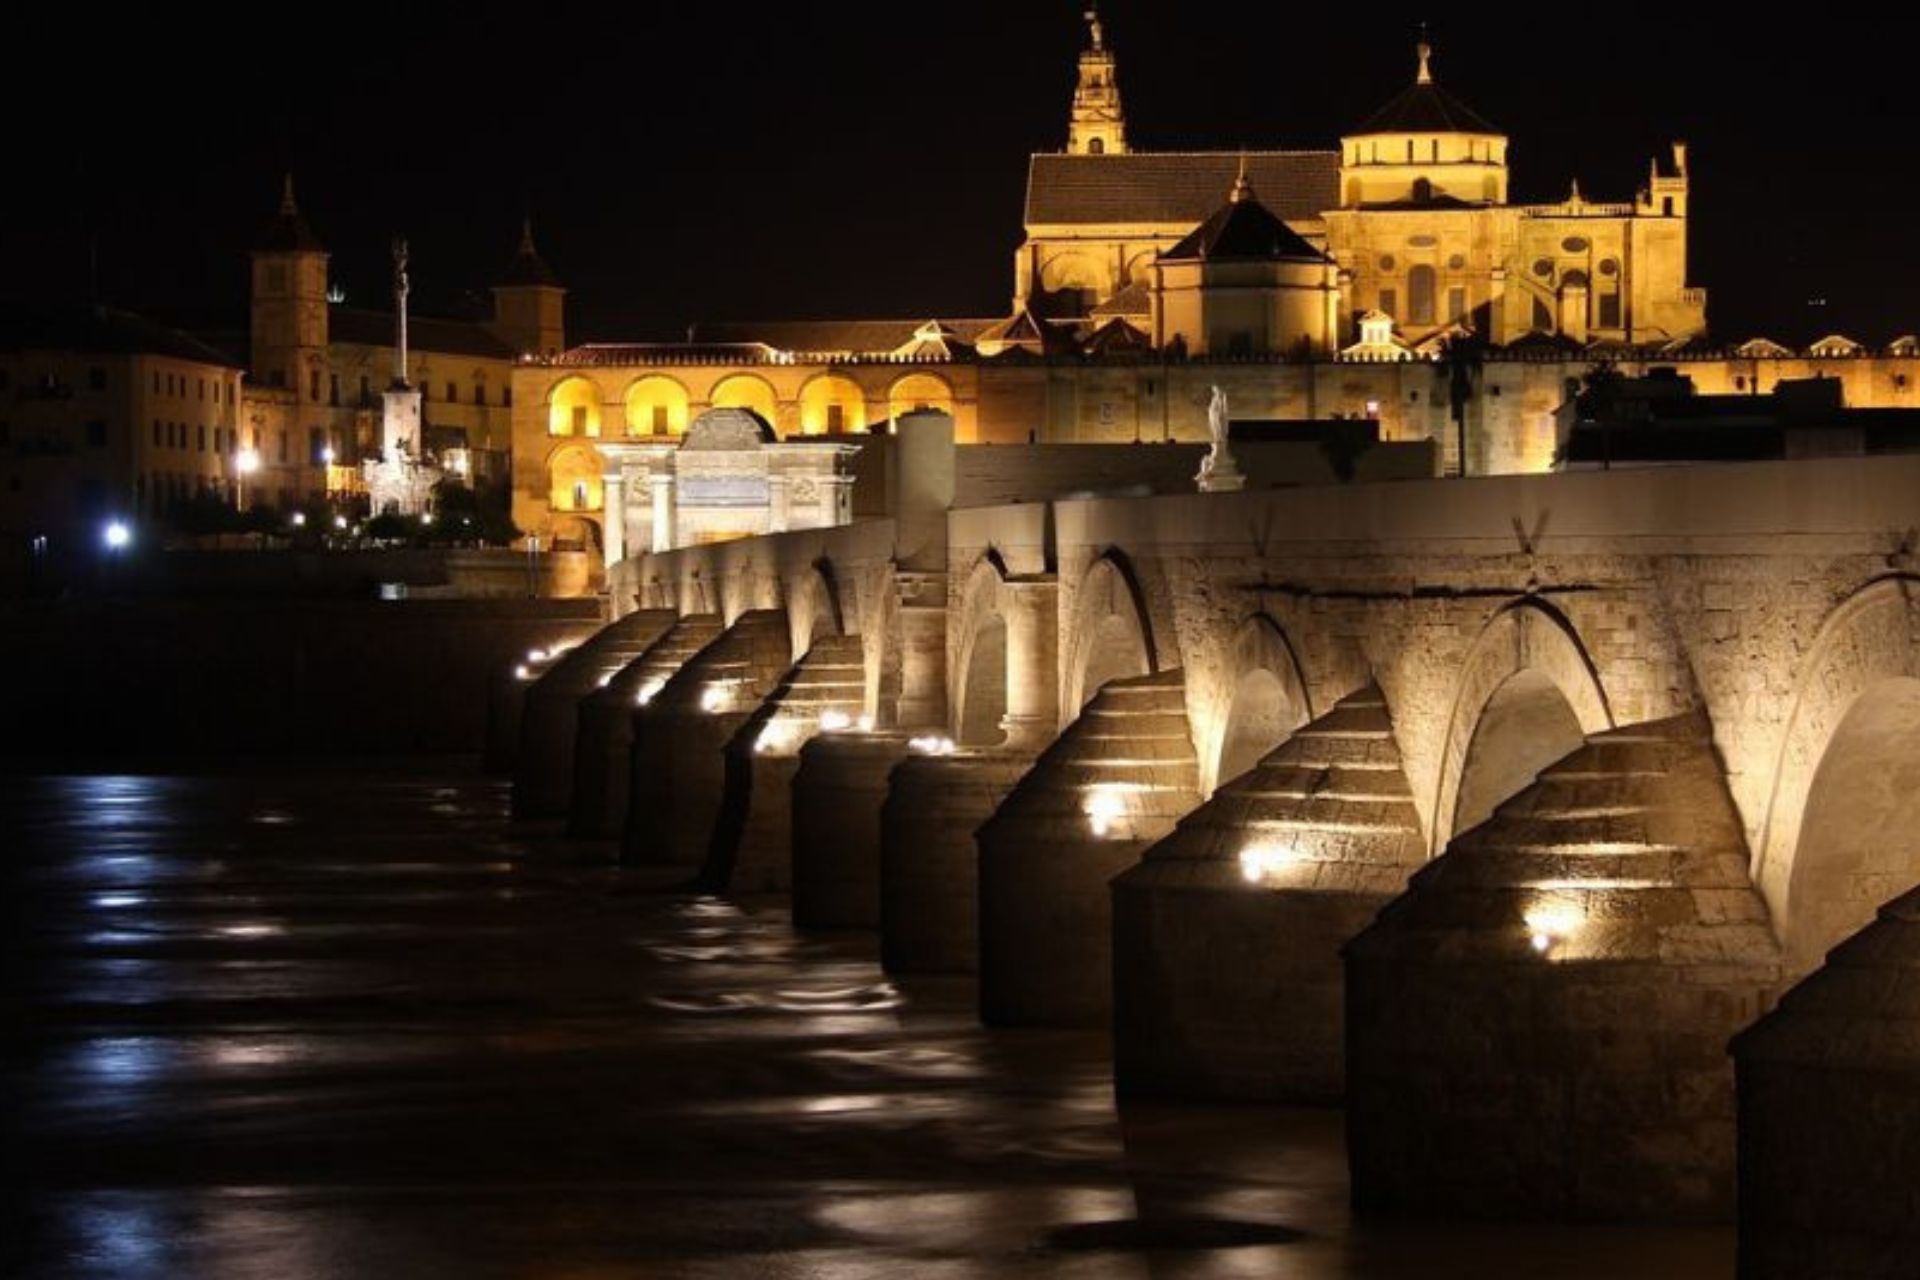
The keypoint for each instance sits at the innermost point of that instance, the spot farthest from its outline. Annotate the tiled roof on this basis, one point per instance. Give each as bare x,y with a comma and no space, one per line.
1179,188
854,337
99,330
424,333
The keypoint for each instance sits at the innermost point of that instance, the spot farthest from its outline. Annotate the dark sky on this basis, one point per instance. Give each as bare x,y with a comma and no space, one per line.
739,161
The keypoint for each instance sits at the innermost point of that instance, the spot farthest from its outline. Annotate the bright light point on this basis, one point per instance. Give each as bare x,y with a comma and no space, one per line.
327,455
536,655
1551,924
648,694
117,536
246,462
115,901
835,722
933,746
339,522
299,519
426,518
866,724
1262,862
769,739
605,681
713,698
521,673
247,932
1104,808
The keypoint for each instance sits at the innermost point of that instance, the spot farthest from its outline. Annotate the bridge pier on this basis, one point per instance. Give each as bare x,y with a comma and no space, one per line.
549,730
603,751
837,792
929,862
1538,1028
1115,782
679,774
752,846
1226,938
1830,1115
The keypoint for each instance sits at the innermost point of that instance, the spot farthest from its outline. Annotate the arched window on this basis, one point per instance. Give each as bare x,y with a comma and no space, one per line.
1097,147
1422,287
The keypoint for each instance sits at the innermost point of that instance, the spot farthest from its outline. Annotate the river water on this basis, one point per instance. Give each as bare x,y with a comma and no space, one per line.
350,1022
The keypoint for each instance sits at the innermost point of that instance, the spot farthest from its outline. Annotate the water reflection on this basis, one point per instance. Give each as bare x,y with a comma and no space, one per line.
340,1045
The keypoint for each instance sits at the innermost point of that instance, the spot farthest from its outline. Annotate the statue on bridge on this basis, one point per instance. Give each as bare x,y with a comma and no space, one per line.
1219,473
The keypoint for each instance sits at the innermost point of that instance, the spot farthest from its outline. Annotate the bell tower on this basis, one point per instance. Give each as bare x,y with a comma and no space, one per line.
1099,125
289,303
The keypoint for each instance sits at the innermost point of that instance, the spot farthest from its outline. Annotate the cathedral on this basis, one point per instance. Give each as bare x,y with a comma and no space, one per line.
1388,280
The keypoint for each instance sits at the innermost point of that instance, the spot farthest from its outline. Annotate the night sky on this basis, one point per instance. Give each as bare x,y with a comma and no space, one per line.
799,161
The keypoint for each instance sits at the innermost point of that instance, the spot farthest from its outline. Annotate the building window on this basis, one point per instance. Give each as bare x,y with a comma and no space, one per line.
1456,303
313,385
1097,147
333,389
579,495
156,433
1609,311
453,394
1390,303
156,382
201,388
579,419
203,437
836,419
285,449
1422,285
506,396
316,446
661,425
480,394
365,393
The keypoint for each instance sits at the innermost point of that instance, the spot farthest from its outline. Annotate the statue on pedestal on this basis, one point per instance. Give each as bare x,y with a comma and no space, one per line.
1219,473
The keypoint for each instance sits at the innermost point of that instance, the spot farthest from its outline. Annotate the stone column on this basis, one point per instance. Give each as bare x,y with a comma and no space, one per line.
614,535
662,487
778,514
1033,676
923,650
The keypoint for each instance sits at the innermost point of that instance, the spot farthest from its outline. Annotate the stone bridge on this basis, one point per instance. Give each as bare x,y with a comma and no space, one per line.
1493,808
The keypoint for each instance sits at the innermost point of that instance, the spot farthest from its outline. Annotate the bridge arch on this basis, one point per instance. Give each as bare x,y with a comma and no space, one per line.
1111,637
813,606
1527,696
1266,701
1841,835
979,688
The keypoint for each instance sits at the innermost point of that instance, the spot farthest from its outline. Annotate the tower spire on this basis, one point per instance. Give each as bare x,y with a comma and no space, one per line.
1242,188
1426,57
526,237
288,209
1099,126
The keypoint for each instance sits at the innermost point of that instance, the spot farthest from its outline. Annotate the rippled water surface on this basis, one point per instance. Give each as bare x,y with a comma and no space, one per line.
353,1023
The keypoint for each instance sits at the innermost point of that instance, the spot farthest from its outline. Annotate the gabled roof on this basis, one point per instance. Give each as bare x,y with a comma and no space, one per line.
1023,331
1176,188
1243,229
424,333
1116,336
1134,300
99,330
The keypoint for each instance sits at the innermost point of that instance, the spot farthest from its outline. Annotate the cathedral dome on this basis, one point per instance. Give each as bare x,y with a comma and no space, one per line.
1425,108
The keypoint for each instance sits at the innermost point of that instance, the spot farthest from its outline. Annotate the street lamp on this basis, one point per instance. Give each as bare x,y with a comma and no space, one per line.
246,462
117,536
